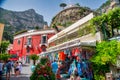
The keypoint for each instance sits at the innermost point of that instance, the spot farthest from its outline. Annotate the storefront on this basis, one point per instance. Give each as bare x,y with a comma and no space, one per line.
72,51
77,51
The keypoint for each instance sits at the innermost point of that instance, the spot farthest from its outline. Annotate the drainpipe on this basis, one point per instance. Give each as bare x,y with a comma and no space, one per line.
22,48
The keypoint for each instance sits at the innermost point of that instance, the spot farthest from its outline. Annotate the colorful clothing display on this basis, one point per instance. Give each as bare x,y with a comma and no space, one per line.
75,62
77,51
79,68
73,52
61,56
56,56
72,68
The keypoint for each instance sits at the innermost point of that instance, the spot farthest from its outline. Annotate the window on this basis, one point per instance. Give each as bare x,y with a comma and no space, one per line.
44,39
29,41
18,42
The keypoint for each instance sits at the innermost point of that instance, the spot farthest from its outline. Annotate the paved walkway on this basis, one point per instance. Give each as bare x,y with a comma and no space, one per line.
25,74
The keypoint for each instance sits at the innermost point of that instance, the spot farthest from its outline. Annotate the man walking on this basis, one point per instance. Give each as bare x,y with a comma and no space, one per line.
8,69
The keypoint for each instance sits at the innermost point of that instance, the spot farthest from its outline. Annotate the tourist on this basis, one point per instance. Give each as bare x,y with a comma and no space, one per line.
17,68
20,67
54,66
8,69
12,66
1,69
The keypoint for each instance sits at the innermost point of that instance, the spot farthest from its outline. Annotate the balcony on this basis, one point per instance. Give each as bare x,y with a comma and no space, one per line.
43,44
28,46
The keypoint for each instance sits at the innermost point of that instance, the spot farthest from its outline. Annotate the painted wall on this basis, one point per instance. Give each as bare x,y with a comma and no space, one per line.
21,47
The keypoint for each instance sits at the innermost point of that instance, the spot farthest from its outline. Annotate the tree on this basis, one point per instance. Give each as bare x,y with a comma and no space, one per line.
55,27
63,5
77,4
8,36
106,23
4,46
4,56
106,55
34,57
37,27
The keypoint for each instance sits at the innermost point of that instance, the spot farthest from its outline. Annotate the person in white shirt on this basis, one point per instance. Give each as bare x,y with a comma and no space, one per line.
20,66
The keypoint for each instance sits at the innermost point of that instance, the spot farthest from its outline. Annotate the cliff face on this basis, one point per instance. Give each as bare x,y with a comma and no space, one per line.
70,15
26,19
16,21
108,5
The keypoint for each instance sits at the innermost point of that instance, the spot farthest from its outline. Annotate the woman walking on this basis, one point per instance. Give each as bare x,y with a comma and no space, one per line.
17,69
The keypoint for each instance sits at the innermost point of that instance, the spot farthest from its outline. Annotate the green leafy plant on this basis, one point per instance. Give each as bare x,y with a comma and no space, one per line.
4,56
43,70
4,46
37,27
34,57
43,60
106,23
86,30
105,56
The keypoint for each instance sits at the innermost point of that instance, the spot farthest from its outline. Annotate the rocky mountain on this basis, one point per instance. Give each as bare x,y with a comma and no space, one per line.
17,21
104,7
108,5
68,16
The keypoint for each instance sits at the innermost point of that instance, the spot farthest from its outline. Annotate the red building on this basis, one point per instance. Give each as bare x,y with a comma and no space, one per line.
31,42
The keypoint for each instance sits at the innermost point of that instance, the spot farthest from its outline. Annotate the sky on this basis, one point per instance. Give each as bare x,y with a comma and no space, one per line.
47,8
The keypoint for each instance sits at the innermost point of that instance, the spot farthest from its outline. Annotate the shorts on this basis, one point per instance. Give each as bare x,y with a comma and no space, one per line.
16,69
0,73
8,71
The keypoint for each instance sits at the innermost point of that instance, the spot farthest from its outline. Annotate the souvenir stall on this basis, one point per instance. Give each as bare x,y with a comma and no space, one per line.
73,60
71,51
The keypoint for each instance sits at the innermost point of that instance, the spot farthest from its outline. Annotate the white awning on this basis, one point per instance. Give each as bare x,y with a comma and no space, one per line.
58,48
